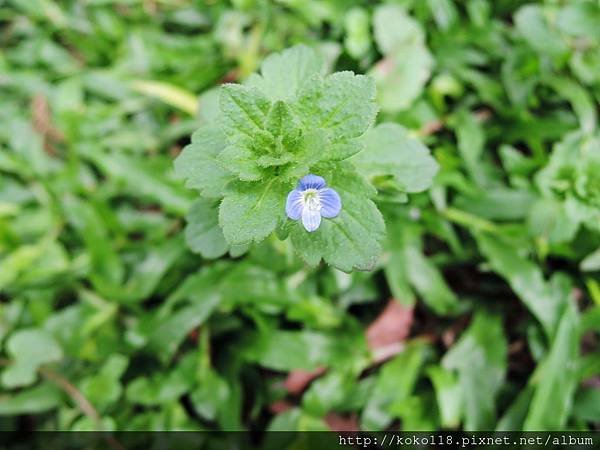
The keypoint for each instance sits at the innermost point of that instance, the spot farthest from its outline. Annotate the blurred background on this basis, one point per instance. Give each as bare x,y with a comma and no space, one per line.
482,314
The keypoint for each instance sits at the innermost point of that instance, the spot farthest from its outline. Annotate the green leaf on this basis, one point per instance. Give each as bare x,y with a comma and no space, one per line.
288,350
358,34
162,388
36,400
251,211
544,300
280,120
534,27
408,267
147,274
515,415
572,177
581,101
586,65
210,397
140,179
326,104
580,19
337,151
103,389
428,281
555,379
30,349
202,232
309,149
271,144
198,163
328,393
284,74
105,263
150,270
590,320
243,112
17,264
448,394
588,366
170,332
86,423
394,29
250,284
186,308
471,144
270,161
390,151
591,262
241,161
350,241
401,75
551,220
171,95
444,12
498,204
480,360
586,405
395,383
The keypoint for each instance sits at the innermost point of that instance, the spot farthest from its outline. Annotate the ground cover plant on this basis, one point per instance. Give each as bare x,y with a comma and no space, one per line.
299,215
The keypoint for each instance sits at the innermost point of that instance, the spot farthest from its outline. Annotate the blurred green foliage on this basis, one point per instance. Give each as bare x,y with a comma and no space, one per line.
110,320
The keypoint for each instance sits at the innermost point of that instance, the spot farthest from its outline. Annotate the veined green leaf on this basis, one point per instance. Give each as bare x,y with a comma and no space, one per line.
202,232
284,74
389,150
250,212
199,165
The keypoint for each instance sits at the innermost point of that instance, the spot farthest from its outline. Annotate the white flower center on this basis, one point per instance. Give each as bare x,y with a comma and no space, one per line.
311,200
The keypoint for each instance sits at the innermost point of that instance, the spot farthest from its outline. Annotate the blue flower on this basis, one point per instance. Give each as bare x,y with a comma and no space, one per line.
311,200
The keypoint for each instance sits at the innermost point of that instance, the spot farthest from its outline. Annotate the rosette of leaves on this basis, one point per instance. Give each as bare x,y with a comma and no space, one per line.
570,184
291,120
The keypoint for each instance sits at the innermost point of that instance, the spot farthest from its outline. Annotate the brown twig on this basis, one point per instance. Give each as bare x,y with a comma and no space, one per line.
82,402
42,123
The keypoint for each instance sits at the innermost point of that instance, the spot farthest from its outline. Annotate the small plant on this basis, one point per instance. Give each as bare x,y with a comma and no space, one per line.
570,185
294,152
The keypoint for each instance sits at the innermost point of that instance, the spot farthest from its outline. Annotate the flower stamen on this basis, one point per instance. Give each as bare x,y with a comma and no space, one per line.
310,199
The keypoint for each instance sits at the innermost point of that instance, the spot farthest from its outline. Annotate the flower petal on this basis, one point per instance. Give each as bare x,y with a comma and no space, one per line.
311,182
311,219
294,205
331,203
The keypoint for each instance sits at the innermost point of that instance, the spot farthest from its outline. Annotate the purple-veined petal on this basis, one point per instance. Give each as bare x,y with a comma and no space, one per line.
294,205
331,203
311,219
311,182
